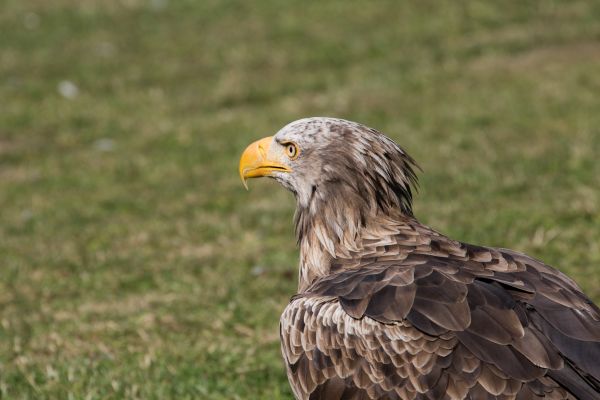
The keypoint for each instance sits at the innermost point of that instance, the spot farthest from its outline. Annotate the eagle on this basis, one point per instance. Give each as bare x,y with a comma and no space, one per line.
389,308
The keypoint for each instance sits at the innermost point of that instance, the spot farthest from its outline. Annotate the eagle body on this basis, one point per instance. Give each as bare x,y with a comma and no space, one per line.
388,308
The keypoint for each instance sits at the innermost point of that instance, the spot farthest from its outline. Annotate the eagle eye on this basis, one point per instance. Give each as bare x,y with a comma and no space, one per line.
291,149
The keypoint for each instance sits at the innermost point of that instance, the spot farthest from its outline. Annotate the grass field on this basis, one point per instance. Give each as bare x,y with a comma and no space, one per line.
133,264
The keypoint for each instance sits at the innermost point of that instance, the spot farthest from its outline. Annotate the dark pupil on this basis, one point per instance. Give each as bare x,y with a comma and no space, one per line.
291,149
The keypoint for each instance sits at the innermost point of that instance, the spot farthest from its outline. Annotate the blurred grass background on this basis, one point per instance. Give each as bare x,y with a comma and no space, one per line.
132,262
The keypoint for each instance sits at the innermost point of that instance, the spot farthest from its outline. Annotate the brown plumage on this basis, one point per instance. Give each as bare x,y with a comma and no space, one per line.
387,308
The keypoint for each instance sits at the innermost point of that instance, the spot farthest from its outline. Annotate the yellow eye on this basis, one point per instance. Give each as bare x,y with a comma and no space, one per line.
291,150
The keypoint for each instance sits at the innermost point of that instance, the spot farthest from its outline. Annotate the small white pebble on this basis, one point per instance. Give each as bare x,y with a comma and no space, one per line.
257,270
158,5
68,89
105,49
31,21
26,215
104,145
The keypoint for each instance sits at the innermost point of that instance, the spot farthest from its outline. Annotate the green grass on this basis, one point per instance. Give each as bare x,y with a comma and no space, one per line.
132,262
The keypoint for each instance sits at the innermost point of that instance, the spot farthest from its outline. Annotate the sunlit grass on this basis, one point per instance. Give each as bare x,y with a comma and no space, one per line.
134,264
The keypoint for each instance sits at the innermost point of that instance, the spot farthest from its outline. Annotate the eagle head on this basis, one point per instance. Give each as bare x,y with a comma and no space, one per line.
320,158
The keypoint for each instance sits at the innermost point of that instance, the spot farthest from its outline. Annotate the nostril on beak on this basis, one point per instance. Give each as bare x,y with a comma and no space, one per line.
262,152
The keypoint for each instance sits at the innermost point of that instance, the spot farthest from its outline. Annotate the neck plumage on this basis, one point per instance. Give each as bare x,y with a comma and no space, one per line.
335,228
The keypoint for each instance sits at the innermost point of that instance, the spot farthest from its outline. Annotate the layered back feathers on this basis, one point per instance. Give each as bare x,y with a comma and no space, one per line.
388,308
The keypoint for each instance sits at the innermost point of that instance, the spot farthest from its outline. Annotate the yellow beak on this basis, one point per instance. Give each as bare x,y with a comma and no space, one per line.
255,163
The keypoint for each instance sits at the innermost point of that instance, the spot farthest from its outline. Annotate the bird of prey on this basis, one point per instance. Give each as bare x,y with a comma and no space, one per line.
388,308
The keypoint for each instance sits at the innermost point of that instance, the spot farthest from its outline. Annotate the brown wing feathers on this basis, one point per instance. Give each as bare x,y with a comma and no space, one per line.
475,323
390,309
